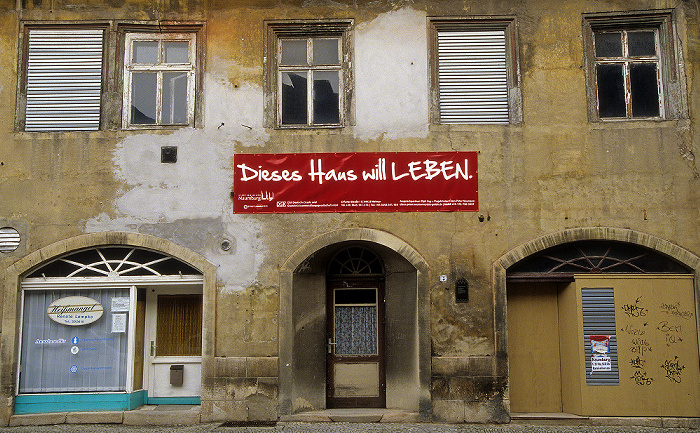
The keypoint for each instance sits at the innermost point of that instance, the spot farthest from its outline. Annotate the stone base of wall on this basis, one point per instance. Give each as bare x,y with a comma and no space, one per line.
465,389
243,389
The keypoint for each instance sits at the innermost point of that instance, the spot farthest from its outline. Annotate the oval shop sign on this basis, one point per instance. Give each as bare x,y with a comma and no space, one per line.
75,310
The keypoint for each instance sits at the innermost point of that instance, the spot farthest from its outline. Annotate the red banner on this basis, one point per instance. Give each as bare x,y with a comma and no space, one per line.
355,182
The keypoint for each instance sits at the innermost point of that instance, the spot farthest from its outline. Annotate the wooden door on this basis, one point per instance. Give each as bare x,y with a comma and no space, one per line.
533,348
355,337
174,341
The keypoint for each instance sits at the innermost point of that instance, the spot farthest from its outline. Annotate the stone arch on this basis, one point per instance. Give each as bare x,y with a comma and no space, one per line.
12,285
527,249
305,268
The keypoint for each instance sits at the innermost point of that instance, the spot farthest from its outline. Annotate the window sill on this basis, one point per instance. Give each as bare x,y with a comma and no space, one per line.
634,123
481,127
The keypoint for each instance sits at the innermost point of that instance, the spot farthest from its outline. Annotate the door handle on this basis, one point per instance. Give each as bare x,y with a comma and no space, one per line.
330,345
153,348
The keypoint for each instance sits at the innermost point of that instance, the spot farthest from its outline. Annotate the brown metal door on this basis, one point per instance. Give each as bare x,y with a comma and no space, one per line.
355,337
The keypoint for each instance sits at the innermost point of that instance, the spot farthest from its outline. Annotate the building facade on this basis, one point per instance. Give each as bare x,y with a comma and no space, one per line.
461,210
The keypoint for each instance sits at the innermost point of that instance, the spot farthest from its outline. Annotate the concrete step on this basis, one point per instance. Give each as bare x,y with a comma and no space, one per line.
354,415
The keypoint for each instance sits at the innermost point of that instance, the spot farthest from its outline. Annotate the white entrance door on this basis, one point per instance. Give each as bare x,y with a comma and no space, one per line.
173,345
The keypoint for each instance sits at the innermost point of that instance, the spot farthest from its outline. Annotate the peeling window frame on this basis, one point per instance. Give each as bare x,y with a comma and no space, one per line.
513,81
275,32
669,71
192,32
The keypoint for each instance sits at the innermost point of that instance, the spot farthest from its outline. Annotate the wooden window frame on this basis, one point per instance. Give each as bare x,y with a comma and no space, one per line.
669,73
191,68
275,32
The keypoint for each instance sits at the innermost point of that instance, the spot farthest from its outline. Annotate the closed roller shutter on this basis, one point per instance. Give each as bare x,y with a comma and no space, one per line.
599,319
64,80
473,77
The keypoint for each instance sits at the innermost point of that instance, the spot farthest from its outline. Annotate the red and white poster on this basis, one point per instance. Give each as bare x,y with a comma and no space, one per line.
355,182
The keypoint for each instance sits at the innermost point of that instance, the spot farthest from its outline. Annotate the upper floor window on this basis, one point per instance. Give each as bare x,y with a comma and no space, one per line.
310,76
62,85
159,80
628,74
474,71
631,74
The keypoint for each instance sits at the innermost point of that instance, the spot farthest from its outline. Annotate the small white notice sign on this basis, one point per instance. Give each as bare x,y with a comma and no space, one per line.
601,363
118,322
120,304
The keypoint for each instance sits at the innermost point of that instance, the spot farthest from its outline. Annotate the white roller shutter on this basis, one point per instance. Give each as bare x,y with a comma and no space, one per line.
64,79
473,76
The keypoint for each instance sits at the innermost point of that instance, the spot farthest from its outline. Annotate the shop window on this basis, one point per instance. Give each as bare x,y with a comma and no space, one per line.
310,75
62,85
66,351
631,72
474,72
159,80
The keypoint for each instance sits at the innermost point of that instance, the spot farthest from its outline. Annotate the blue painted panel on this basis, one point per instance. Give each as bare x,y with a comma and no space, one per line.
45,403
174,400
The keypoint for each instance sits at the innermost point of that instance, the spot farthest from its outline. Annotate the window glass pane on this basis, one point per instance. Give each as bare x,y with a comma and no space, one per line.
294,109
326,109
645,91
355,296
611,91
61,358
143,98
641,44
174,98
176,52
179,325
145,52
356,330
294,52
608,44
325,51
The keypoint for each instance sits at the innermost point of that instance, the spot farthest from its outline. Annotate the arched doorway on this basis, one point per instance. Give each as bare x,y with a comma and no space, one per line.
602,327
311,282
355,364
103,359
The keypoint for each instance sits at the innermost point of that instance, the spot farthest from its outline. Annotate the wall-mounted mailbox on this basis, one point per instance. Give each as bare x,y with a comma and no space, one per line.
176,374
462,290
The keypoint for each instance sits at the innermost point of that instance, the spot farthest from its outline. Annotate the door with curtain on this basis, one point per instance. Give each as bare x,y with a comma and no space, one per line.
355,336
173,345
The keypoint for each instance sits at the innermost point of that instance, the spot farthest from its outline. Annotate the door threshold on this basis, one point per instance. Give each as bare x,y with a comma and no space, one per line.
359,415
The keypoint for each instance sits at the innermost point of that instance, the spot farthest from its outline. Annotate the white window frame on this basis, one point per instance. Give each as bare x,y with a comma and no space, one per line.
308,30
130,68
309,69
507,25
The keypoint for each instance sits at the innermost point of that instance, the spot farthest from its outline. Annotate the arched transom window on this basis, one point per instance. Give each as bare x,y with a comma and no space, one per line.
593,257
355,261
113,262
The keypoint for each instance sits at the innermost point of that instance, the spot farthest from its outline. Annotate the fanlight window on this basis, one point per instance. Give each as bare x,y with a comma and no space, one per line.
595,257
114,261
355,261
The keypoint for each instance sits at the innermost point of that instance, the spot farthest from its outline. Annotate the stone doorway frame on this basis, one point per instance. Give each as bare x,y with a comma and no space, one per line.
290,270
501,265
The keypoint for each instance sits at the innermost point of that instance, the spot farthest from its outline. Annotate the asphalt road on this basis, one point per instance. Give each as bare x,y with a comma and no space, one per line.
341,427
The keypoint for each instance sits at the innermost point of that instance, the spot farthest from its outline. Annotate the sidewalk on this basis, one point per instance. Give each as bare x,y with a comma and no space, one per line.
187,419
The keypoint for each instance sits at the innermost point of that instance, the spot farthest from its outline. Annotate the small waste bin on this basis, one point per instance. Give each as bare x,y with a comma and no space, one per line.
176,374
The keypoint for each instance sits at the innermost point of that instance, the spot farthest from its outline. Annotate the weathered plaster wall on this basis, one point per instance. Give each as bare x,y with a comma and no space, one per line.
555,171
